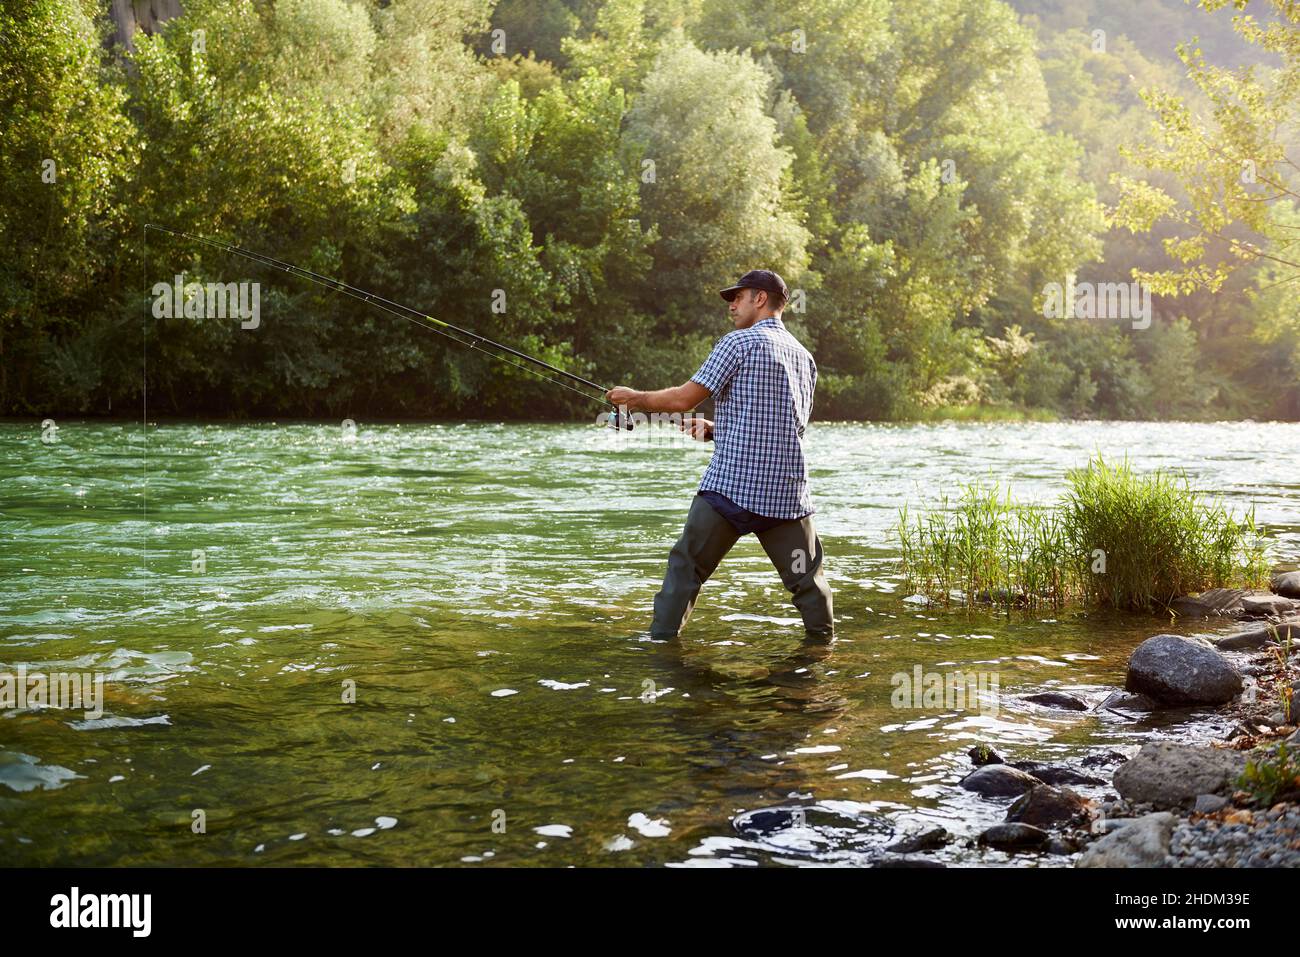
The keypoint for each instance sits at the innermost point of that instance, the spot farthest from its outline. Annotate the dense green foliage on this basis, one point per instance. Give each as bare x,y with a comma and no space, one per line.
1114,539
577,177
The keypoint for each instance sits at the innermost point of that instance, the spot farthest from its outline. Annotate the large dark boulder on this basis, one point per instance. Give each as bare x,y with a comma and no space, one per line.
1180,671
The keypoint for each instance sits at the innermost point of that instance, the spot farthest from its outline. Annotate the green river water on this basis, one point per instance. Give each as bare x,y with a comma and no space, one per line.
485,588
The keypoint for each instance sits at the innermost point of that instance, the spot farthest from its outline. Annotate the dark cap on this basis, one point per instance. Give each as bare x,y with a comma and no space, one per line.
763,279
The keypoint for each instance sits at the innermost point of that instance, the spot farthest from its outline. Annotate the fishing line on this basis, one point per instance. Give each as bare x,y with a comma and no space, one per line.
471,339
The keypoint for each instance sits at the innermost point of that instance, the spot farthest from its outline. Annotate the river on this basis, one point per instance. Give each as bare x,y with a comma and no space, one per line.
423,644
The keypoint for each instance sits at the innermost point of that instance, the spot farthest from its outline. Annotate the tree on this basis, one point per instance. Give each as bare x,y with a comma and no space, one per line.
68,148
1232,166
712,174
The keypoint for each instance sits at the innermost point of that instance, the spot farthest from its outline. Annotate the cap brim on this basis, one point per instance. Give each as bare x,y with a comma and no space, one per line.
730,292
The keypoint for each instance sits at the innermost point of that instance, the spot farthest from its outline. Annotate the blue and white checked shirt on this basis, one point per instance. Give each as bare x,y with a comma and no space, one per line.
762,380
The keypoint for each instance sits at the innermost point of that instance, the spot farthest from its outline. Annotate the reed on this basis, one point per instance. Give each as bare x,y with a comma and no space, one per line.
1114,539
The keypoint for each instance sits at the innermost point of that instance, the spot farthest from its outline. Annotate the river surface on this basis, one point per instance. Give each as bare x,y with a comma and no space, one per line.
423,644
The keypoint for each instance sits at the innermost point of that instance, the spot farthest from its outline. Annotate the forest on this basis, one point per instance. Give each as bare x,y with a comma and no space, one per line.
578,178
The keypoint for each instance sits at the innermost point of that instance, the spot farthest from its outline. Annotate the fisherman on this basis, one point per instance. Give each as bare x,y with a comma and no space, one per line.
762,381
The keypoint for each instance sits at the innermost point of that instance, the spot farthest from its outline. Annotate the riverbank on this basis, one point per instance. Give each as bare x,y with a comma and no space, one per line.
1175,801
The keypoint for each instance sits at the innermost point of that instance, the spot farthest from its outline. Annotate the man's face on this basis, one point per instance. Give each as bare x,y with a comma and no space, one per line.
747,307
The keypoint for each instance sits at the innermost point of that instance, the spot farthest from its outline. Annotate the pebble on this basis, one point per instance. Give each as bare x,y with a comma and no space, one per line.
1273,841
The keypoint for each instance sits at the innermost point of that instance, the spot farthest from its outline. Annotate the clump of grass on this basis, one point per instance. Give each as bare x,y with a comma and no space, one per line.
988,547
1114,539
1153,538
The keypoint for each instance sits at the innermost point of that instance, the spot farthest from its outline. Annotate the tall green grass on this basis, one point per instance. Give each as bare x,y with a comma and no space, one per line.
1114,539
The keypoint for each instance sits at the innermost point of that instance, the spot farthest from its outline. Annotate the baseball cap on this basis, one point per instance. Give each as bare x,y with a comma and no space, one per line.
757,279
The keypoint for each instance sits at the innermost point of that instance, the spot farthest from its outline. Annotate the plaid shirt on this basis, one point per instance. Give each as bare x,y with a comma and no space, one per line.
762,381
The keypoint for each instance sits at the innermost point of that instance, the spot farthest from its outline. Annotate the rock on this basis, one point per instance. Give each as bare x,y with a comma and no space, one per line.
1266,606
1056,774
1103,758
999,780
982,754
1209,803
1014,837
1105,825
1248,640
929,840
1260,635
1143,843
1287,584
1214,602
1060,845
765,821
1123,701
1174,775
1047,806
1175,671
890,861
1058,699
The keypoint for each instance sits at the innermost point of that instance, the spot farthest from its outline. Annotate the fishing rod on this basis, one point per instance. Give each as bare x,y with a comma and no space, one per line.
446,329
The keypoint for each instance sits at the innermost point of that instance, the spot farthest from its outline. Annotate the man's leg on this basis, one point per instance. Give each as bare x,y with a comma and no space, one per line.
705,539
796,551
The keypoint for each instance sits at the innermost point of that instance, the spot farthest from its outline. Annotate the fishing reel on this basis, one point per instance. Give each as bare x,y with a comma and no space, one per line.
617,419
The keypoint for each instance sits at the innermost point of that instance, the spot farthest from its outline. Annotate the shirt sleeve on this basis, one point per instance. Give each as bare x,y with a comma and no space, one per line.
812,393
722,364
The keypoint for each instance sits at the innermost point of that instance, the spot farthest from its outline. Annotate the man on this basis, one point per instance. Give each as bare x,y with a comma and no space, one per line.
762,381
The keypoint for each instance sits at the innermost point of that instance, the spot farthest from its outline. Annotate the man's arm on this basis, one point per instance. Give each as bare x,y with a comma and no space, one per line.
811,395
680,398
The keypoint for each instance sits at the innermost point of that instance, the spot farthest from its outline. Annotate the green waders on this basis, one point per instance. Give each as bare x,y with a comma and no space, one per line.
793,547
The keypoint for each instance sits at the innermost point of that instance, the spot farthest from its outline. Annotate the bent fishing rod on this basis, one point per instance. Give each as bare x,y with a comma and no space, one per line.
446,329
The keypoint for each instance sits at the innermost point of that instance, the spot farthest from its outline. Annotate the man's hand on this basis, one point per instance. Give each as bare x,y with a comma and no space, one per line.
621,395
699,428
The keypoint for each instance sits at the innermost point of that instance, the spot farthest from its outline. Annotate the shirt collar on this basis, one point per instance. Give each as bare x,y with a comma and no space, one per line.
768,320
